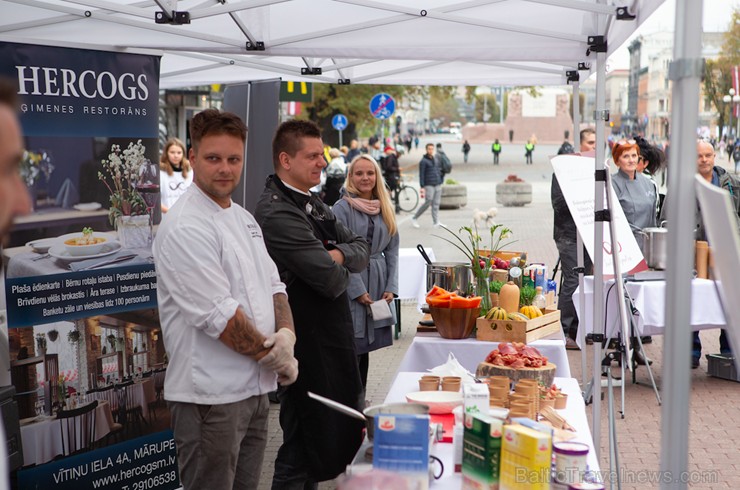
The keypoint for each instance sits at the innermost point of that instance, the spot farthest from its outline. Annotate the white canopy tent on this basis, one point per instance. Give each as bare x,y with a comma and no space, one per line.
417,42
420,42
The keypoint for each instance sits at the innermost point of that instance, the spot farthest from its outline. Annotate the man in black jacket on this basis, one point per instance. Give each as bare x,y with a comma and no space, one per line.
565,236
315,255
430,180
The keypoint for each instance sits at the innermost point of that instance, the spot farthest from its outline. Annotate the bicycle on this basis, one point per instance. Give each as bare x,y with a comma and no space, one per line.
405,197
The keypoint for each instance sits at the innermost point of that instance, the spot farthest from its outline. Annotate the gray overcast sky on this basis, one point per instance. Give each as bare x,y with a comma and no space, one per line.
716,17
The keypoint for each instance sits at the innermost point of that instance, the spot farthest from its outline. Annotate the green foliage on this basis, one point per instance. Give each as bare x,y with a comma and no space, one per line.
443,106
495,286
353,101
526,295
451,182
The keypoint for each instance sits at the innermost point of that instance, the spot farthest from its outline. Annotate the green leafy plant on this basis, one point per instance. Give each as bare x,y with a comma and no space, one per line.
451,182
526,295
53,334
481,259
495,286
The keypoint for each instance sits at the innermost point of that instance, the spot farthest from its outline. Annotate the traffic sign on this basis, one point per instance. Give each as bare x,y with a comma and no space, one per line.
382,106
339,122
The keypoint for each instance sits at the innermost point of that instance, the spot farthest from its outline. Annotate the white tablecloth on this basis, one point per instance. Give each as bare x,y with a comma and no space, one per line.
574,413
412,274
428,350
42,440
648,298
143,393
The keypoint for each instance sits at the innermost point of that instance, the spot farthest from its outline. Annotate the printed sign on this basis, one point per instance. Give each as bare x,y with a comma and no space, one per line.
137,464
575,175
382,106
339,122
42,299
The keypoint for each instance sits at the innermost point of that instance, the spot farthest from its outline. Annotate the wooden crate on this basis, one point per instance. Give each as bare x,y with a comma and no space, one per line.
518,330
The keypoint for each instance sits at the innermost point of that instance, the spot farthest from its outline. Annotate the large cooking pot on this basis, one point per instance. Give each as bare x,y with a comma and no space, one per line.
368,415
655,247
449,275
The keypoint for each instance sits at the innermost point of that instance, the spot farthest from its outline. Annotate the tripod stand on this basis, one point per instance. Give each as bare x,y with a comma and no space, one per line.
621,349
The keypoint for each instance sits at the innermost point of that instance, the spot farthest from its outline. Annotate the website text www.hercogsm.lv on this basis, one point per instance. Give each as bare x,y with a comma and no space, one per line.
626,476
144,472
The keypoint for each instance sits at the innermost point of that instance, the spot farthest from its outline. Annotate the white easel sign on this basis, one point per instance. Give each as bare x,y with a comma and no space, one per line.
575,174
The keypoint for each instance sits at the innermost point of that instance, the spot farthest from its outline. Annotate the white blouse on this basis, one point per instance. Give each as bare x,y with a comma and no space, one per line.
171,187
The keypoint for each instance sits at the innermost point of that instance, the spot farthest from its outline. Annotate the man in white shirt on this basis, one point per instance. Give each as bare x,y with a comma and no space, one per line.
227,325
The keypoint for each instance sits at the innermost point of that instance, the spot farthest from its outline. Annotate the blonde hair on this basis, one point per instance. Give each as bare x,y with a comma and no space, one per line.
380,192
164,161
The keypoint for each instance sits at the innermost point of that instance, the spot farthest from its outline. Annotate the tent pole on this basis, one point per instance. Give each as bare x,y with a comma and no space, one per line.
579,242
685,71
598,258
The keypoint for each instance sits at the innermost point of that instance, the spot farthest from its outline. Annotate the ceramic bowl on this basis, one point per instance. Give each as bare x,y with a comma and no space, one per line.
437,401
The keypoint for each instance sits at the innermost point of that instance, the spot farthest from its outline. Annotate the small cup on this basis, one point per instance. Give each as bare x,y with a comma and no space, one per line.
499,402
451,383
561,401
429,384
547,402
498,391
500,381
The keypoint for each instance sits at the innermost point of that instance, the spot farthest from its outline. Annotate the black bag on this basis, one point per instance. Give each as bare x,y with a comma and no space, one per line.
736,152
446,163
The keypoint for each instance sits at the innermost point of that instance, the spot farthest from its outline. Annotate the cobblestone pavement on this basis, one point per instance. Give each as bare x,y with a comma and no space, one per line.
715,403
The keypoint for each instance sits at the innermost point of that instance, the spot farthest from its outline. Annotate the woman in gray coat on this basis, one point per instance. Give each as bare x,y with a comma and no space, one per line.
636,193
367,210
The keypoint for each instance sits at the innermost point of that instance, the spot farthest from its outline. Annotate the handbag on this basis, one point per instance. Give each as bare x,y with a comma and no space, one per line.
380,310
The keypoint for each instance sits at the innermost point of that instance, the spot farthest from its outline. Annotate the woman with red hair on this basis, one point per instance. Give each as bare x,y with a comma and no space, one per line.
636,193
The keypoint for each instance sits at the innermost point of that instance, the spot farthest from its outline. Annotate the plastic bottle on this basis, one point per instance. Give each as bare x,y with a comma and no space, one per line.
539,299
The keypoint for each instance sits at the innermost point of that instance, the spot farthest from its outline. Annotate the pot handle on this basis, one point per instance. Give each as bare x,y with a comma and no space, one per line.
662,224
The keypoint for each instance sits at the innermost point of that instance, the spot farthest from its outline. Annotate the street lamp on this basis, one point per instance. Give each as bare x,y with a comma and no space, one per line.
731,97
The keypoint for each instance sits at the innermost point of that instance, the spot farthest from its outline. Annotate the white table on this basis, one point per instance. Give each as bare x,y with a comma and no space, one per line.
428,350
143,393
574,413
42,440
648,298
412,274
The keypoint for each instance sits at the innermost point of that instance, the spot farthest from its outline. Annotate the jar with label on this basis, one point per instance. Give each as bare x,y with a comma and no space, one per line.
515,276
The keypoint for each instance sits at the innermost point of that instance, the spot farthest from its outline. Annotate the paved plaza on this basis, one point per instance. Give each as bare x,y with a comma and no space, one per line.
715,403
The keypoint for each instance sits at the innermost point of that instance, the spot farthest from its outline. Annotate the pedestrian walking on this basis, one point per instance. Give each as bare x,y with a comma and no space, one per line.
465,150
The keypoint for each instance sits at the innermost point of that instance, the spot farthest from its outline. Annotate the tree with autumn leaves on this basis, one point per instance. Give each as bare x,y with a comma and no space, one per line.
718,72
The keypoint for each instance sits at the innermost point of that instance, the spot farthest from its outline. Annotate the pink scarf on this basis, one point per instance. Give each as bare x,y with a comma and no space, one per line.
367,206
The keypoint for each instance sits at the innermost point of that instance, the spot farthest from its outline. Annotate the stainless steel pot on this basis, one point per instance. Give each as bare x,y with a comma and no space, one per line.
449,275
655,247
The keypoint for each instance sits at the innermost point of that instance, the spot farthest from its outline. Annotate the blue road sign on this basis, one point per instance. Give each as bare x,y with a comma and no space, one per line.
382,106
339,122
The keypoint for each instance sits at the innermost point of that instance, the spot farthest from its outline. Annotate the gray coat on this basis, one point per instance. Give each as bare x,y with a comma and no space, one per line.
381,274
639,200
